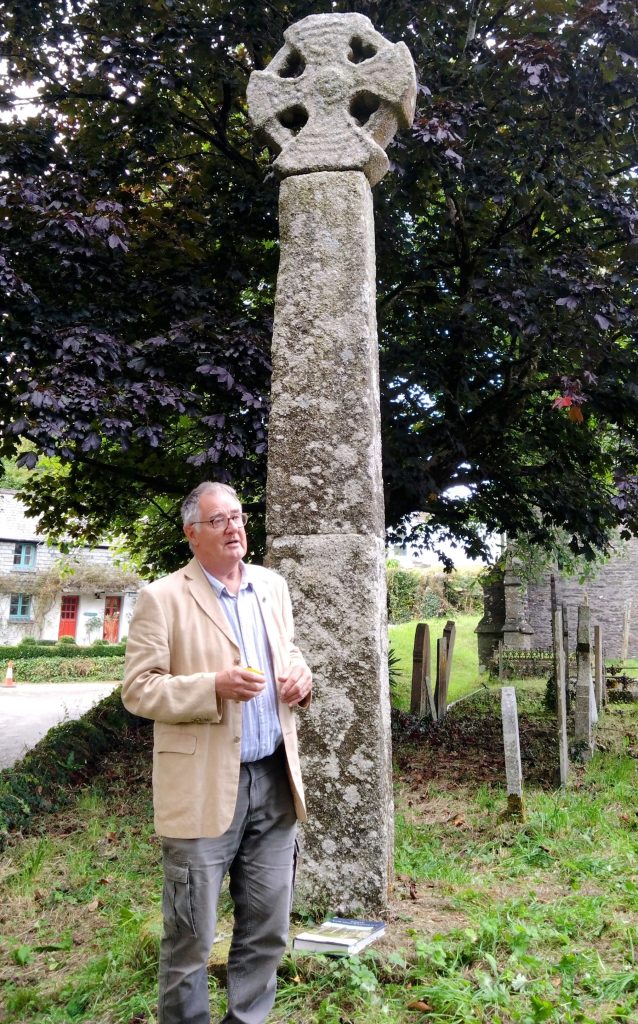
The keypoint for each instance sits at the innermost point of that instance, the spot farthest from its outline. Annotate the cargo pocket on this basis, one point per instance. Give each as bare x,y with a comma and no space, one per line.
295,865
177,906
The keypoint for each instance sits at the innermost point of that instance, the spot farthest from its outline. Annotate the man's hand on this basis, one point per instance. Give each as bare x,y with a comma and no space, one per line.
239,683
296,684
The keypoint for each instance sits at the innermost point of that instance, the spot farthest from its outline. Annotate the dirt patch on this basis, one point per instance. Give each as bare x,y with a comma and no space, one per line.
467,746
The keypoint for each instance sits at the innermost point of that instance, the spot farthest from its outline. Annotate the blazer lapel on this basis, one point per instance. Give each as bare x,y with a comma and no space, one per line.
206,598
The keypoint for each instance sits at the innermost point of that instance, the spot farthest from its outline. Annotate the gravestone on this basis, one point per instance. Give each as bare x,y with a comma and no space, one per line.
599,669
444,653
517,632
422,697
512,748
560,664
440,690
624,650
329,103
566,650
585,705
449,631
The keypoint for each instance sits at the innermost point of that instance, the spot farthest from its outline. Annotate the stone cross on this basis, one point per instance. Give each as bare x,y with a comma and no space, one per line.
328,103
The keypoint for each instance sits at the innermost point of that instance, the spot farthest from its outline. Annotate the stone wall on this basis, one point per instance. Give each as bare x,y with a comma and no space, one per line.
614,586
614,589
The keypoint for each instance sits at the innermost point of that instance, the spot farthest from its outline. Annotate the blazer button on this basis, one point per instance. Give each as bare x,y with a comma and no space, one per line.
236,739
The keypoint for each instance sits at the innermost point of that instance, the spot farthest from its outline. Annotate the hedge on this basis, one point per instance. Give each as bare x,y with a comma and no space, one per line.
57,669
414,594
40,649
43,781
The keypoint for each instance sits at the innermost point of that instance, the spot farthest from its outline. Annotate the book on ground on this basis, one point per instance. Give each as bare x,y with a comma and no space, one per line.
345,935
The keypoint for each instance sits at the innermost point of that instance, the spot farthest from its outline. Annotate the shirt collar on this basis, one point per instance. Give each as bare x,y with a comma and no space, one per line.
221,588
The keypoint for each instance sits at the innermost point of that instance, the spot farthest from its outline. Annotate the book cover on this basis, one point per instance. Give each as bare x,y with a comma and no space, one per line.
344,935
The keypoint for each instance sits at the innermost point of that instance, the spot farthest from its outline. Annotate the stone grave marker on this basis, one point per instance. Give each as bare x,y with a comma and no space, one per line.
624,651
444,652
566,650
449,631
422,697
583,712
329,103
512,748
599,666
561,702
440,691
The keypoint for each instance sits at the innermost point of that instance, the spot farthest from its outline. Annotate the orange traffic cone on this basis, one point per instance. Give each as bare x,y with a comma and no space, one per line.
8,679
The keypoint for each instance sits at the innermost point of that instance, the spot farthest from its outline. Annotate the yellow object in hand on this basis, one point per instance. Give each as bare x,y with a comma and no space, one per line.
256,671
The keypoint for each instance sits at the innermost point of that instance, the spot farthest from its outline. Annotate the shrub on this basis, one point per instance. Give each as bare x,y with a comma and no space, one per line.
415,594
41,670
53,649
43,780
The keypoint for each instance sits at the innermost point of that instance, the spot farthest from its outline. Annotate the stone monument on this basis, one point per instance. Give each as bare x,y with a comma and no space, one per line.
512,750
329,103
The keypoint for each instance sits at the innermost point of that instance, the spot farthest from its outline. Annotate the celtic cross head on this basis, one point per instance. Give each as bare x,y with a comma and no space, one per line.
334,96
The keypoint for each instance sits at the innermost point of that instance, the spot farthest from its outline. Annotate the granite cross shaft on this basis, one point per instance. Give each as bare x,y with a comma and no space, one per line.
329,103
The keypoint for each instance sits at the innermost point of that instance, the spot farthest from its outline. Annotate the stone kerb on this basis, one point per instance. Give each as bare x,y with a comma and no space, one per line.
333,97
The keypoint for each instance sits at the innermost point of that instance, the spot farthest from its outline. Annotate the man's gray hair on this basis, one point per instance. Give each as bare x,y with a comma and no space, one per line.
190,505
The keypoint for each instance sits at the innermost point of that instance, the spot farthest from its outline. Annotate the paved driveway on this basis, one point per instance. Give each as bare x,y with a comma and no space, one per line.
29,710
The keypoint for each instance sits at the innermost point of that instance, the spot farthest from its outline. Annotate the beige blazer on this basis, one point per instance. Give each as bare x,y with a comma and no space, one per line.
178,639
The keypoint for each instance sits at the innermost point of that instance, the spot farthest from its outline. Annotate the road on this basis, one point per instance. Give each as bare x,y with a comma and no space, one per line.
29,710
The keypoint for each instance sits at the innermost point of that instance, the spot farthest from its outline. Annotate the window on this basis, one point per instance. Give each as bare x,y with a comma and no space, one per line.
24,556
20,606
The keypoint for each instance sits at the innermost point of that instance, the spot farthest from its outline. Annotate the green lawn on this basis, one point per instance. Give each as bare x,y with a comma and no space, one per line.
493,921
465,675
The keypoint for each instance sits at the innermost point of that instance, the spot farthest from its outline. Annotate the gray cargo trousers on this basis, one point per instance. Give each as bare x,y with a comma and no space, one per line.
258,852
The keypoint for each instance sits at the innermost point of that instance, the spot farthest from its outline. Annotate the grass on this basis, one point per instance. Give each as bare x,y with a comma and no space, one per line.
492,921
80,916
465,674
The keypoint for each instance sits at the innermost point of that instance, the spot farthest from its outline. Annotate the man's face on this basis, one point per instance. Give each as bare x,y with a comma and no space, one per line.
217,549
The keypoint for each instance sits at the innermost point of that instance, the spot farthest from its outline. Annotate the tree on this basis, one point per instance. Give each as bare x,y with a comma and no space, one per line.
139,256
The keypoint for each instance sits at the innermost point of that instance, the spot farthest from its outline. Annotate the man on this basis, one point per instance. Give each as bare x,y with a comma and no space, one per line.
211,658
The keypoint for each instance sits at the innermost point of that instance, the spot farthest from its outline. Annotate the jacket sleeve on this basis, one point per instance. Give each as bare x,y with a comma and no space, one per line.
149,688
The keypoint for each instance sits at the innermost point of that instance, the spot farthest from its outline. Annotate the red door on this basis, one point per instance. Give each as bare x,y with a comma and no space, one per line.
112,607
68,615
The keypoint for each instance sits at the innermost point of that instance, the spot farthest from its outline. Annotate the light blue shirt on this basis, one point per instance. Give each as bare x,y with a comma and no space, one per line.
260,731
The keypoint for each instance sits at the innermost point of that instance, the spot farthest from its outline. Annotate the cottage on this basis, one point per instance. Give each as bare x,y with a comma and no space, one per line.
46,594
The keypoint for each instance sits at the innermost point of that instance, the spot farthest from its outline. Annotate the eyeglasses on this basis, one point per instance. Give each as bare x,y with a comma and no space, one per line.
220,522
